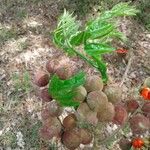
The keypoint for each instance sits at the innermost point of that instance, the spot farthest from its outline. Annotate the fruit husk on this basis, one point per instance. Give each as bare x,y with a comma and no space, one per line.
97,100
41,78
139,124
93,83
114,94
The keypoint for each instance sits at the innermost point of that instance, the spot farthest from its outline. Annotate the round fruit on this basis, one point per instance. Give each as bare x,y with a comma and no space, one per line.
114,94
46,133
137,143
146,108
80,94
139,124
54,125
54,108
91,117
51,66
41,78
70,121
65,72
132,105
83,109
97,100
147,82
107,114
71,139
93,83
125,144
120,115
44,95
85,135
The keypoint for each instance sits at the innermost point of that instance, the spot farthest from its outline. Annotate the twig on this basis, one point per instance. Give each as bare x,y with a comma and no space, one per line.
126,71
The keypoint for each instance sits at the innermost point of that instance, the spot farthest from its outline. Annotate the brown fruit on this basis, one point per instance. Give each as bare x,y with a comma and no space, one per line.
114,94
54,108
132,105
70,121
85,135
147,82
97,100
146,108
45,114
93,83
139,124
125,144
41,78
80,94
91,117
44,95
71,139
65,72
120,115
46,133
83,109
51,66
87,114
107,114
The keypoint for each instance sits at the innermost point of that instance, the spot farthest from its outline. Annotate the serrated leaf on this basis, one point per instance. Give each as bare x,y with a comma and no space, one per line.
77,39
63,90
97,49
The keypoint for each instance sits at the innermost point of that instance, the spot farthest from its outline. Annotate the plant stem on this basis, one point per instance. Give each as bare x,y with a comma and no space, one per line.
85,58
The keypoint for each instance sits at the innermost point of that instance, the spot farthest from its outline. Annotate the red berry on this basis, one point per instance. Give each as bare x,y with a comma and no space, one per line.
137,143
145,93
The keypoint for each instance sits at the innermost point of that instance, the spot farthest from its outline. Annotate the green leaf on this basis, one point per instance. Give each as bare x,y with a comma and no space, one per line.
77,39
63,90
98,29
97,49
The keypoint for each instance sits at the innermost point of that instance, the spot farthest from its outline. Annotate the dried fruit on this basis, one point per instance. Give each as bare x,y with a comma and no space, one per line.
139,124
80,94
97,100
71,139
125,144
114,94
107,114
120,115
146,108
145,93
93,83
41,78
132,105
85,135
147,82
70,121
137,143
51,66
44,95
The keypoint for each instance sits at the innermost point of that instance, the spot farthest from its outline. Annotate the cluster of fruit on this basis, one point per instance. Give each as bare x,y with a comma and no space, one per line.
97,103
